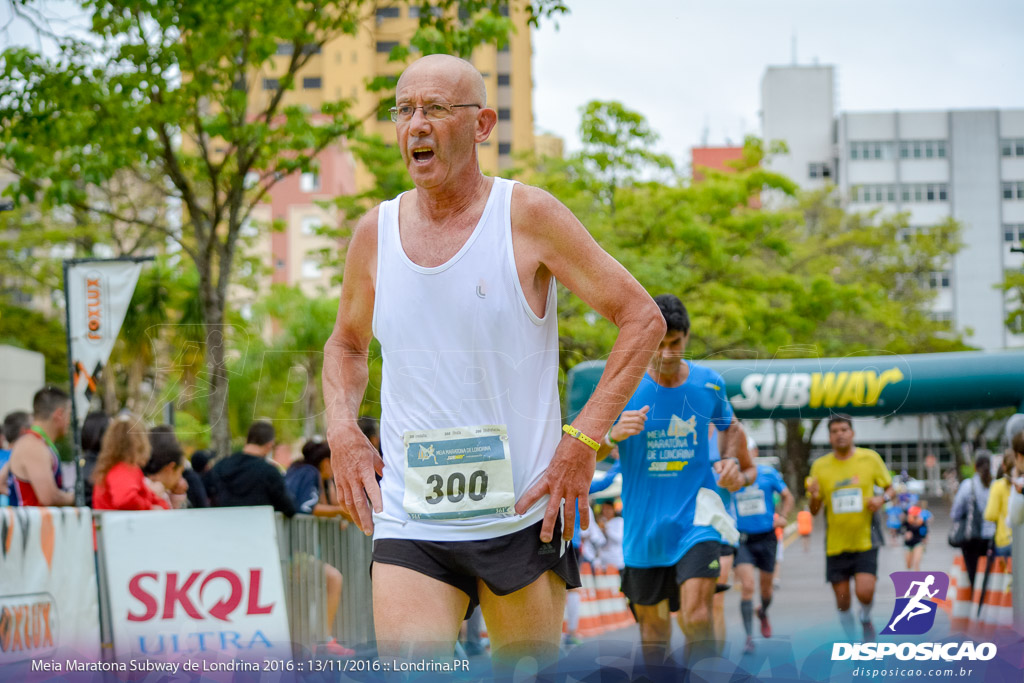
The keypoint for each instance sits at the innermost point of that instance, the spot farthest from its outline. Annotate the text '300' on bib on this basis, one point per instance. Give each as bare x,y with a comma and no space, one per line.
458,473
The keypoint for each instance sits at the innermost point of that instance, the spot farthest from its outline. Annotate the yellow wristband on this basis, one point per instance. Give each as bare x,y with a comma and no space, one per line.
577,434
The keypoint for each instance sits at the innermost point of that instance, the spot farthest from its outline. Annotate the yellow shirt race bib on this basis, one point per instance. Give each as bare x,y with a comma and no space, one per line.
846,485
845,501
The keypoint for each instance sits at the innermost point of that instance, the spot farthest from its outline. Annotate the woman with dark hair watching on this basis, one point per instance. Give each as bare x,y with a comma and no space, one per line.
975,491
93,429
165,466
193,476
118,478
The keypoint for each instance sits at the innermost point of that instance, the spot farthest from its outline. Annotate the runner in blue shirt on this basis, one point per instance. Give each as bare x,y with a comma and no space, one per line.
756,520
675,522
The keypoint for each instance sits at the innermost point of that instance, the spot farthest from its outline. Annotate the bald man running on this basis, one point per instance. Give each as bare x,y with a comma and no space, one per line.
456,279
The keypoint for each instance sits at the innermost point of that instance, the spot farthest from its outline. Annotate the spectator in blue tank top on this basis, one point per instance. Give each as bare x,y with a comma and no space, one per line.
15,425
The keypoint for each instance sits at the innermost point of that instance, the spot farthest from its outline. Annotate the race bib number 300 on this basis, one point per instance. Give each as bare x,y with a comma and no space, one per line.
458,473
847,500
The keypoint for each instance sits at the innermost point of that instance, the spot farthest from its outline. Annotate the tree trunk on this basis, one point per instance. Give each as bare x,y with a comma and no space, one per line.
216,369
133,399
797,464
951,425
110,405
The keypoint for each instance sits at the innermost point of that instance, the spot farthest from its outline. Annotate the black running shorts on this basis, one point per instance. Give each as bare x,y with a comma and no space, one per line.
651,585
842,567
758,550
506,563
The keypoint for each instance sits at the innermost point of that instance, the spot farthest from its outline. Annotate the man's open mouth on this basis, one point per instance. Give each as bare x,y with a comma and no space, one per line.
422,154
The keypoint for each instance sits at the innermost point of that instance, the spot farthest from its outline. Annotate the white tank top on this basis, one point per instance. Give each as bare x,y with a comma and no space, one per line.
461,349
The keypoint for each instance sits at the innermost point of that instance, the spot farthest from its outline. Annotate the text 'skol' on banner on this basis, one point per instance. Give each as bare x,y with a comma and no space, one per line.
98,296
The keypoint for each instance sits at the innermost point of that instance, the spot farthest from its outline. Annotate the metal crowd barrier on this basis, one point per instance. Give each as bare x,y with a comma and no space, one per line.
307,544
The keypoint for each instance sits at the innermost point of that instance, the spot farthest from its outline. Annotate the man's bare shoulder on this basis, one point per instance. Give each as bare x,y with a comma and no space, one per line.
537,214
26,449
532,203
366,226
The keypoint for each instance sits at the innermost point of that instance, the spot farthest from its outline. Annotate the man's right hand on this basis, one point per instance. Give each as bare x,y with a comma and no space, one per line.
354,461
813,490
630,423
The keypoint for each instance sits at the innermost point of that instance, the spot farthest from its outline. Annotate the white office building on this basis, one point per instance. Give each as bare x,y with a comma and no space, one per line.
965,164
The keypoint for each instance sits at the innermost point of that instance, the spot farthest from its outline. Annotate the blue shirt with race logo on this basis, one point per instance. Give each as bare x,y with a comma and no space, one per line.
755,504
665,466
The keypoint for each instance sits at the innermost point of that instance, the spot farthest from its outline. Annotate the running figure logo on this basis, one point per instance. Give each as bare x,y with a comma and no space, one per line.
427,453
679,427
914,613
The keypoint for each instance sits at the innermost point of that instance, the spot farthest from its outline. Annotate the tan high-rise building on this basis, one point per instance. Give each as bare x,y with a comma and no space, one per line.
341,69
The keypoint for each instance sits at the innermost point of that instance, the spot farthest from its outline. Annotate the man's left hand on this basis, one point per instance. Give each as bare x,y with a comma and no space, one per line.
730,477
567,477
876,503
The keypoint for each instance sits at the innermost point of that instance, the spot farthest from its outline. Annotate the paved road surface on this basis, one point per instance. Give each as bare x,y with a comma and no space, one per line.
803,612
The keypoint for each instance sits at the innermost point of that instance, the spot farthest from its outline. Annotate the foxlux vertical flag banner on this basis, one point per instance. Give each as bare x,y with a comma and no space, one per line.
98,296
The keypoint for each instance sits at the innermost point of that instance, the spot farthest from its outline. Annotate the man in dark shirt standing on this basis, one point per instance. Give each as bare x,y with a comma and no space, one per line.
246,478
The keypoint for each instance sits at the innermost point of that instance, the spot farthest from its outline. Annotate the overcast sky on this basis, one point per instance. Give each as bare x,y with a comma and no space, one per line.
694,66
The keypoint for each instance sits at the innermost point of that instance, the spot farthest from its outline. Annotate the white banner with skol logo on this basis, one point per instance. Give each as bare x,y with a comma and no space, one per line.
98,296
195,584
49,608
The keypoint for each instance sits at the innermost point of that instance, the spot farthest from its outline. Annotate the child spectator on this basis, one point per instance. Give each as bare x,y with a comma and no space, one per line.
166,466
119,483
304,480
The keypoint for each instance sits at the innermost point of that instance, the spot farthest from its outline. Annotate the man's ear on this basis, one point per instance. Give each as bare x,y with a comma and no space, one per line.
486,119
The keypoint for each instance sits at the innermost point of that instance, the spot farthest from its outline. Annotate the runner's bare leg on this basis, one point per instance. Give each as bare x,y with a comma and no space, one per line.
526,623
416,618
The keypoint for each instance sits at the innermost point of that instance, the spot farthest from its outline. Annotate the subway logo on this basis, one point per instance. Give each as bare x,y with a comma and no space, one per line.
858,388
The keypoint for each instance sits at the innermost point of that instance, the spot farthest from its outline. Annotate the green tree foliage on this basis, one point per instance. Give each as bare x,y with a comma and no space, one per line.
390,178
28,329
1013,285
797,276
277,362
972,428
168,96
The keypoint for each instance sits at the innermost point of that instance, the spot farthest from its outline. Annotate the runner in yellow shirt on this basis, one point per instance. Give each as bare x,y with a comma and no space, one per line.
843,482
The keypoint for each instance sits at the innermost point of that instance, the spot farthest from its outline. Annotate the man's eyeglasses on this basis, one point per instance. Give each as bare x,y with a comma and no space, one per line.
435,111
